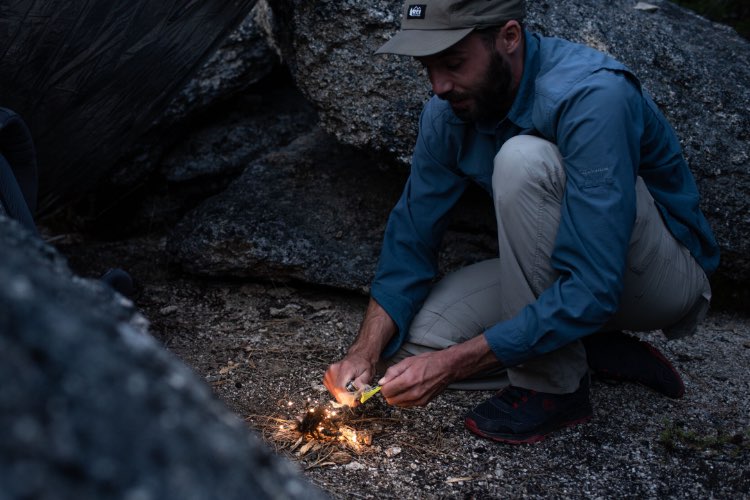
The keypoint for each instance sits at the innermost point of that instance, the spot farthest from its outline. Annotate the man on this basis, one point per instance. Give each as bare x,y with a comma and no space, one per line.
599,229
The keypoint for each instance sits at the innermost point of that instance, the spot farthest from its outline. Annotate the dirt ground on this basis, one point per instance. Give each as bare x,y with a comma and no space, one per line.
263,348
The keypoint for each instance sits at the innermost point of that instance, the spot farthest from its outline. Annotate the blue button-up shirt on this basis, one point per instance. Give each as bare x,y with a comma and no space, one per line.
608,131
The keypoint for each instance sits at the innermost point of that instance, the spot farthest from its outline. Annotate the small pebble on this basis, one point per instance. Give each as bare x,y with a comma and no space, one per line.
167,310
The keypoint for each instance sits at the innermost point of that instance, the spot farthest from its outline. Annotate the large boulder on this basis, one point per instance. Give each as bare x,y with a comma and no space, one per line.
90,77
313,211
697,71
92,407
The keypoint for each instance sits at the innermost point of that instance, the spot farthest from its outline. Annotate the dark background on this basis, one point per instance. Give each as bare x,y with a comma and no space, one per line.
735,13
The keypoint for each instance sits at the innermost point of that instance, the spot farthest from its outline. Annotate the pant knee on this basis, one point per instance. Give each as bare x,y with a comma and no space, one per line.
527,163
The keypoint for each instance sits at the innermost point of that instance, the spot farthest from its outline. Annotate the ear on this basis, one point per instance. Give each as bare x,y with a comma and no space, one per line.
510,38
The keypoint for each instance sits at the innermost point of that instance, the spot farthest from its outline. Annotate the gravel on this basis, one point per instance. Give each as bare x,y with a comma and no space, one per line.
261,345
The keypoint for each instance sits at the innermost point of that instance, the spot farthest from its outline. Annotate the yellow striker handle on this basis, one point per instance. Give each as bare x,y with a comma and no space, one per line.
368,393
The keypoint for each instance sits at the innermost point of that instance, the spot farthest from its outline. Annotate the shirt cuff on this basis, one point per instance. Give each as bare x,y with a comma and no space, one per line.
507,341
401,312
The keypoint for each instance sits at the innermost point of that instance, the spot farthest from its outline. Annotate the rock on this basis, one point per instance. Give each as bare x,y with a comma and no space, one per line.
92,407
392,451
284,312
227,145
365,101
168,310
647,7
696,70
314,212
281,217
90,77
243,59
215,151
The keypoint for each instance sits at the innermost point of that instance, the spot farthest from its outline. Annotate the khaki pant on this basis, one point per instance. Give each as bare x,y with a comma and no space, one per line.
664,287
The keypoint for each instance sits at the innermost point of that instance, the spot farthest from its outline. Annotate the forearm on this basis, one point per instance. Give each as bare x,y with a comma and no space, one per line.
376,330
468,358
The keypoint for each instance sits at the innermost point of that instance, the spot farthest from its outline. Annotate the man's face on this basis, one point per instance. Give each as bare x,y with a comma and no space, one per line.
473,77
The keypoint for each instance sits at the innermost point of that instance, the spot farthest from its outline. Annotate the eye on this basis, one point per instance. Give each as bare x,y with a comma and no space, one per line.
453,64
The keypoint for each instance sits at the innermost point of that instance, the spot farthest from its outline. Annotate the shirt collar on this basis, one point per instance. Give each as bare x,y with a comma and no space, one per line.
520,111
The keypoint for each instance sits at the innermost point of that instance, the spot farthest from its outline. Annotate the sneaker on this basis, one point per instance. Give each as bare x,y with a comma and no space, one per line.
619,356
517,416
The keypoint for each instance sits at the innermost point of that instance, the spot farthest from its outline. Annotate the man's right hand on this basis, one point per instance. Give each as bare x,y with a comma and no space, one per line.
353,368
358,366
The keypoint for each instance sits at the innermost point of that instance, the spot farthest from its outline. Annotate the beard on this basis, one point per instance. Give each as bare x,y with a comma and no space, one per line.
491,97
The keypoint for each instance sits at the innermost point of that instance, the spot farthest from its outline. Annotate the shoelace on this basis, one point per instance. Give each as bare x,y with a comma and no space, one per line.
514,395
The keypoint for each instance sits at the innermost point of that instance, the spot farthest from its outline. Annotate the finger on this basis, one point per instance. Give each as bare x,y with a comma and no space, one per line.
396,390
335,380
331,377
340,373
362,380
412,397
394,371
339,392
407,399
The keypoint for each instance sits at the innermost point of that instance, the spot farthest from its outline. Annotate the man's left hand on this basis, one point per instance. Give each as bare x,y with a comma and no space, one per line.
416,380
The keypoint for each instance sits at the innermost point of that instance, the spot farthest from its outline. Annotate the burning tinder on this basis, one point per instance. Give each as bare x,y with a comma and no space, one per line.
322,424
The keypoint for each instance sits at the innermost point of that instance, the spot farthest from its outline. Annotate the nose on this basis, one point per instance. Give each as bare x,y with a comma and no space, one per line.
441,84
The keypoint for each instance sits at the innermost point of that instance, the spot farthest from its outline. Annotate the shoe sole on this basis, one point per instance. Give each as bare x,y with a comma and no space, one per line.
522,439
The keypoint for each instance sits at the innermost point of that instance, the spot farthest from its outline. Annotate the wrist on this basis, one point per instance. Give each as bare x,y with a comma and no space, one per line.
376,330
467,358
367,353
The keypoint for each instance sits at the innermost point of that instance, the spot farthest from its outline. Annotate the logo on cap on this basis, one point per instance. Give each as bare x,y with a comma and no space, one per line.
416,11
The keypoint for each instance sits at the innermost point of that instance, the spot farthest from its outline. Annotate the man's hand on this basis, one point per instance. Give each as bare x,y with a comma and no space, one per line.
353,368
358,366
416,380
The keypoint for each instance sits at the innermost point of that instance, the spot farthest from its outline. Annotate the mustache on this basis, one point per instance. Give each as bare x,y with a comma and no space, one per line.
453,96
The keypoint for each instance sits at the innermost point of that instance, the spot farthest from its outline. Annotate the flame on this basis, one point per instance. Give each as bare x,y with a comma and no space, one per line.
323,423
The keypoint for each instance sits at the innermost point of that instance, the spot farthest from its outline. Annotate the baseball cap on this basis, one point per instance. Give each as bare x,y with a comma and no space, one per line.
431,26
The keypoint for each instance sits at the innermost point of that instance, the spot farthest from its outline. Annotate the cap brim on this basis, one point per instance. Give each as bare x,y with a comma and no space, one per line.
419,43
